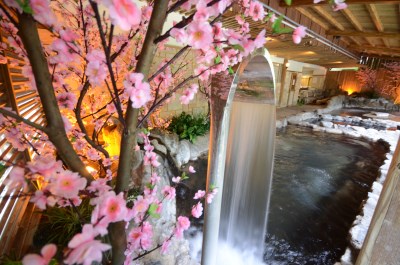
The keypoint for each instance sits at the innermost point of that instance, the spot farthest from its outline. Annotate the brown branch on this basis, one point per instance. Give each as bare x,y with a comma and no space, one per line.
107,51
55,125
78,116
173,59
183,23
21,119
177,5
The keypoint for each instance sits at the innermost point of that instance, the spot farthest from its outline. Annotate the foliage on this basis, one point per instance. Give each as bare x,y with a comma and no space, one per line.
188,126
62,223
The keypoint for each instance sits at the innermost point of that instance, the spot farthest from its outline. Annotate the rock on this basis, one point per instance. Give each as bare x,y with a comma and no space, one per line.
159,147
182,155
326,124
199,147
169,140
326,117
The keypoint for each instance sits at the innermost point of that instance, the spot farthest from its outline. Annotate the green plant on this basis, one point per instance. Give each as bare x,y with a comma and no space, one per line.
62,223
188,126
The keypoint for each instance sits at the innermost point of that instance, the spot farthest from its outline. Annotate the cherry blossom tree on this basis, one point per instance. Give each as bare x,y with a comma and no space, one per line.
391,85
368,79
97,69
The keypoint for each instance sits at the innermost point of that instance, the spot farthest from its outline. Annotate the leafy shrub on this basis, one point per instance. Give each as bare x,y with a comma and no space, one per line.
60,224
188,126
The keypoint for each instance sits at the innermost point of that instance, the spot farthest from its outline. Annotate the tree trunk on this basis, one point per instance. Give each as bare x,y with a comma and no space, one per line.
128,156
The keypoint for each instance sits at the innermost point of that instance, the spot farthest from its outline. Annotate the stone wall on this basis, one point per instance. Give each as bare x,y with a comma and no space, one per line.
309,95
174,107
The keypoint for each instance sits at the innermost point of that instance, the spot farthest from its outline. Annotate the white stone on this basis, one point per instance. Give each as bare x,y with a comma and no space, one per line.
199,147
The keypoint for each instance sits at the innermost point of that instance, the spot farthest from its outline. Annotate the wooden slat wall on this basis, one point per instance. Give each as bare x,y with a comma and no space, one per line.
17,215
345,79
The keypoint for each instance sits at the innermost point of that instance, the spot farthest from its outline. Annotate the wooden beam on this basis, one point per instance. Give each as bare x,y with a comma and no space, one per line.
375,17
325,14
377,21
377,48
298,3
373,34
353,20
313,18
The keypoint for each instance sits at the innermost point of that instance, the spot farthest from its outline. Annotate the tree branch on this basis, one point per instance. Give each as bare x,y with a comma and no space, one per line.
21,119
55,125
80,122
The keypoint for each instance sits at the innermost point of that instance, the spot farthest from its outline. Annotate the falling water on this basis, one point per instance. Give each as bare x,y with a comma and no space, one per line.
247,184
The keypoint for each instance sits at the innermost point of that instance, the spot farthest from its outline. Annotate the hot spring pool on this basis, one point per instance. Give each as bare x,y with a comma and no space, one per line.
319,183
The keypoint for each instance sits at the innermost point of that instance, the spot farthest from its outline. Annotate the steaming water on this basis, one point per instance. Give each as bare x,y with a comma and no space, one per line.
319,183
247,183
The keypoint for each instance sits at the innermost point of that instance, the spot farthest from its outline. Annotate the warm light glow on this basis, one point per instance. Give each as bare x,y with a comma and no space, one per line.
269,39
350,90
90,169
287,65
309,53
113,140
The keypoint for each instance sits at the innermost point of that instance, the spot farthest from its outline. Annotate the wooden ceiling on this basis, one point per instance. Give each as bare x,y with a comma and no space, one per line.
366,28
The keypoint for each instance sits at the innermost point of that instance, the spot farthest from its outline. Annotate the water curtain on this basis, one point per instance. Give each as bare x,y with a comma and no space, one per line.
240,164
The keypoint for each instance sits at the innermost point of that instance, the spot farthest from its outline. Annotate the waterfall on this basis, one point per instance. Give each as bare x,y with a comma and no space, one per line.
240,163
248,176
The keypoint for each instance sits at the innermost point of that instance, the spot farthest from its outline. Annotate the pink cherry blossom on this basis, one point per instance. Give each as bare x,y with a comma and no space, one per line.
46,166
141,205
124,13
111,108
199,194
260,39
84,248
96,70
165,247
179,35
169,192
41,200
47,253
182,225
14,137
15,4
92,154
202,12
67,100
200,35
273,18
256,11
80,144
339,4
176,179
189,94
67,184
197,210
16,178
298,34
113,207
141,237
191,169
42,12
138,91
